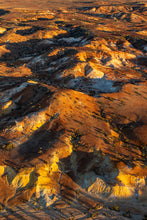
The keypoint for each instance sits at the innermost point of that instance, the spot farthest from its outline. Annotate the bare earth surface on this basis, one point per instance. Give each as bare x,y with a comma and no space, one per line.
73,110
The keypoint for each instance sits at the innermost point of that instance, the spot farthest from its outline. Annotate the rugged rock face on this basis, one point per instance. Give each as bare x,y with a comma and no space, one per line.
73,111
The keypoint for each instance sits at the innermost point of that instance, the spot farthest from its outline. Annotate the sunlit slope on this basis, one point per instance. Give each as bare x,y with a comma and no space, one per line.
73,105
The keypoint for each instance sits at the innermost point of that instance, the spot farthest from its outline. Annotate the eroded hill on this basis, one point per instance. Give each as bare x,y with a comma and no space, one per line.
73,112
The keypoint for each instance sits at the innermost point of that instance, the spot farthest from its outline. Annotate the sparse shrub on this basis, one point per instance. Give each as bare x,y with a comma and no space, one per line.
115,208
8,147
127,214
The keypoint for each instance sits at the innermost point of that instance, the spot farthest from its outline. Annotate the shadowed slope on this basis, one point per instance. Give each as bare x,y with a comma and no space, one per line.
73,112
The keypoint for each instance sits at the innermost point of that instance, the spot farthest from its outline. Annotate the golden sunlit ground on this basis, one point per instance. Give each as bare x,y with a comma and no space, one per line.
73,110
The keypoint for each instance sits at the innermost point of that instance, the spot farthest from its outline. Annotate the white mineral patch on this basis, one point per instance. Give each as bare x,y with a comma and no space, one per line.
5,97
71,39
87,179
97,85
63,59
49,69
26,58
95,74
38,59
145,48
46,42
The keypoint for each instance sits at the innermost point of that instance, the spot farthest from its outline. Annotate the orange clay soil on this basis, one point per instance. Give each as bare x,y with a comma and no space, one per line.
73,110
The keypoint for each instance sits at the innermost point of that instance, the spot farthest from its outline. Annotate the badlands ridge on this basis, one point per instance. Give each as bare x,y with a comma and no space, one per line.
73,112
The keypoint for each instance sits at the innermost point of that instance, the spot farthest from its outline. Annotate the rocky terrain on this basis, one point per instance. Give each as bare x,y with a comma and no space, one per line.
73,110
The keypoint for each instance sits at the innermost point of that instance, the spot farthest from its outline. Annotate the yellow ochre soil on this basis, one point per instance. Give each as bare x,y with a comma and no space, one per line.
73,110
